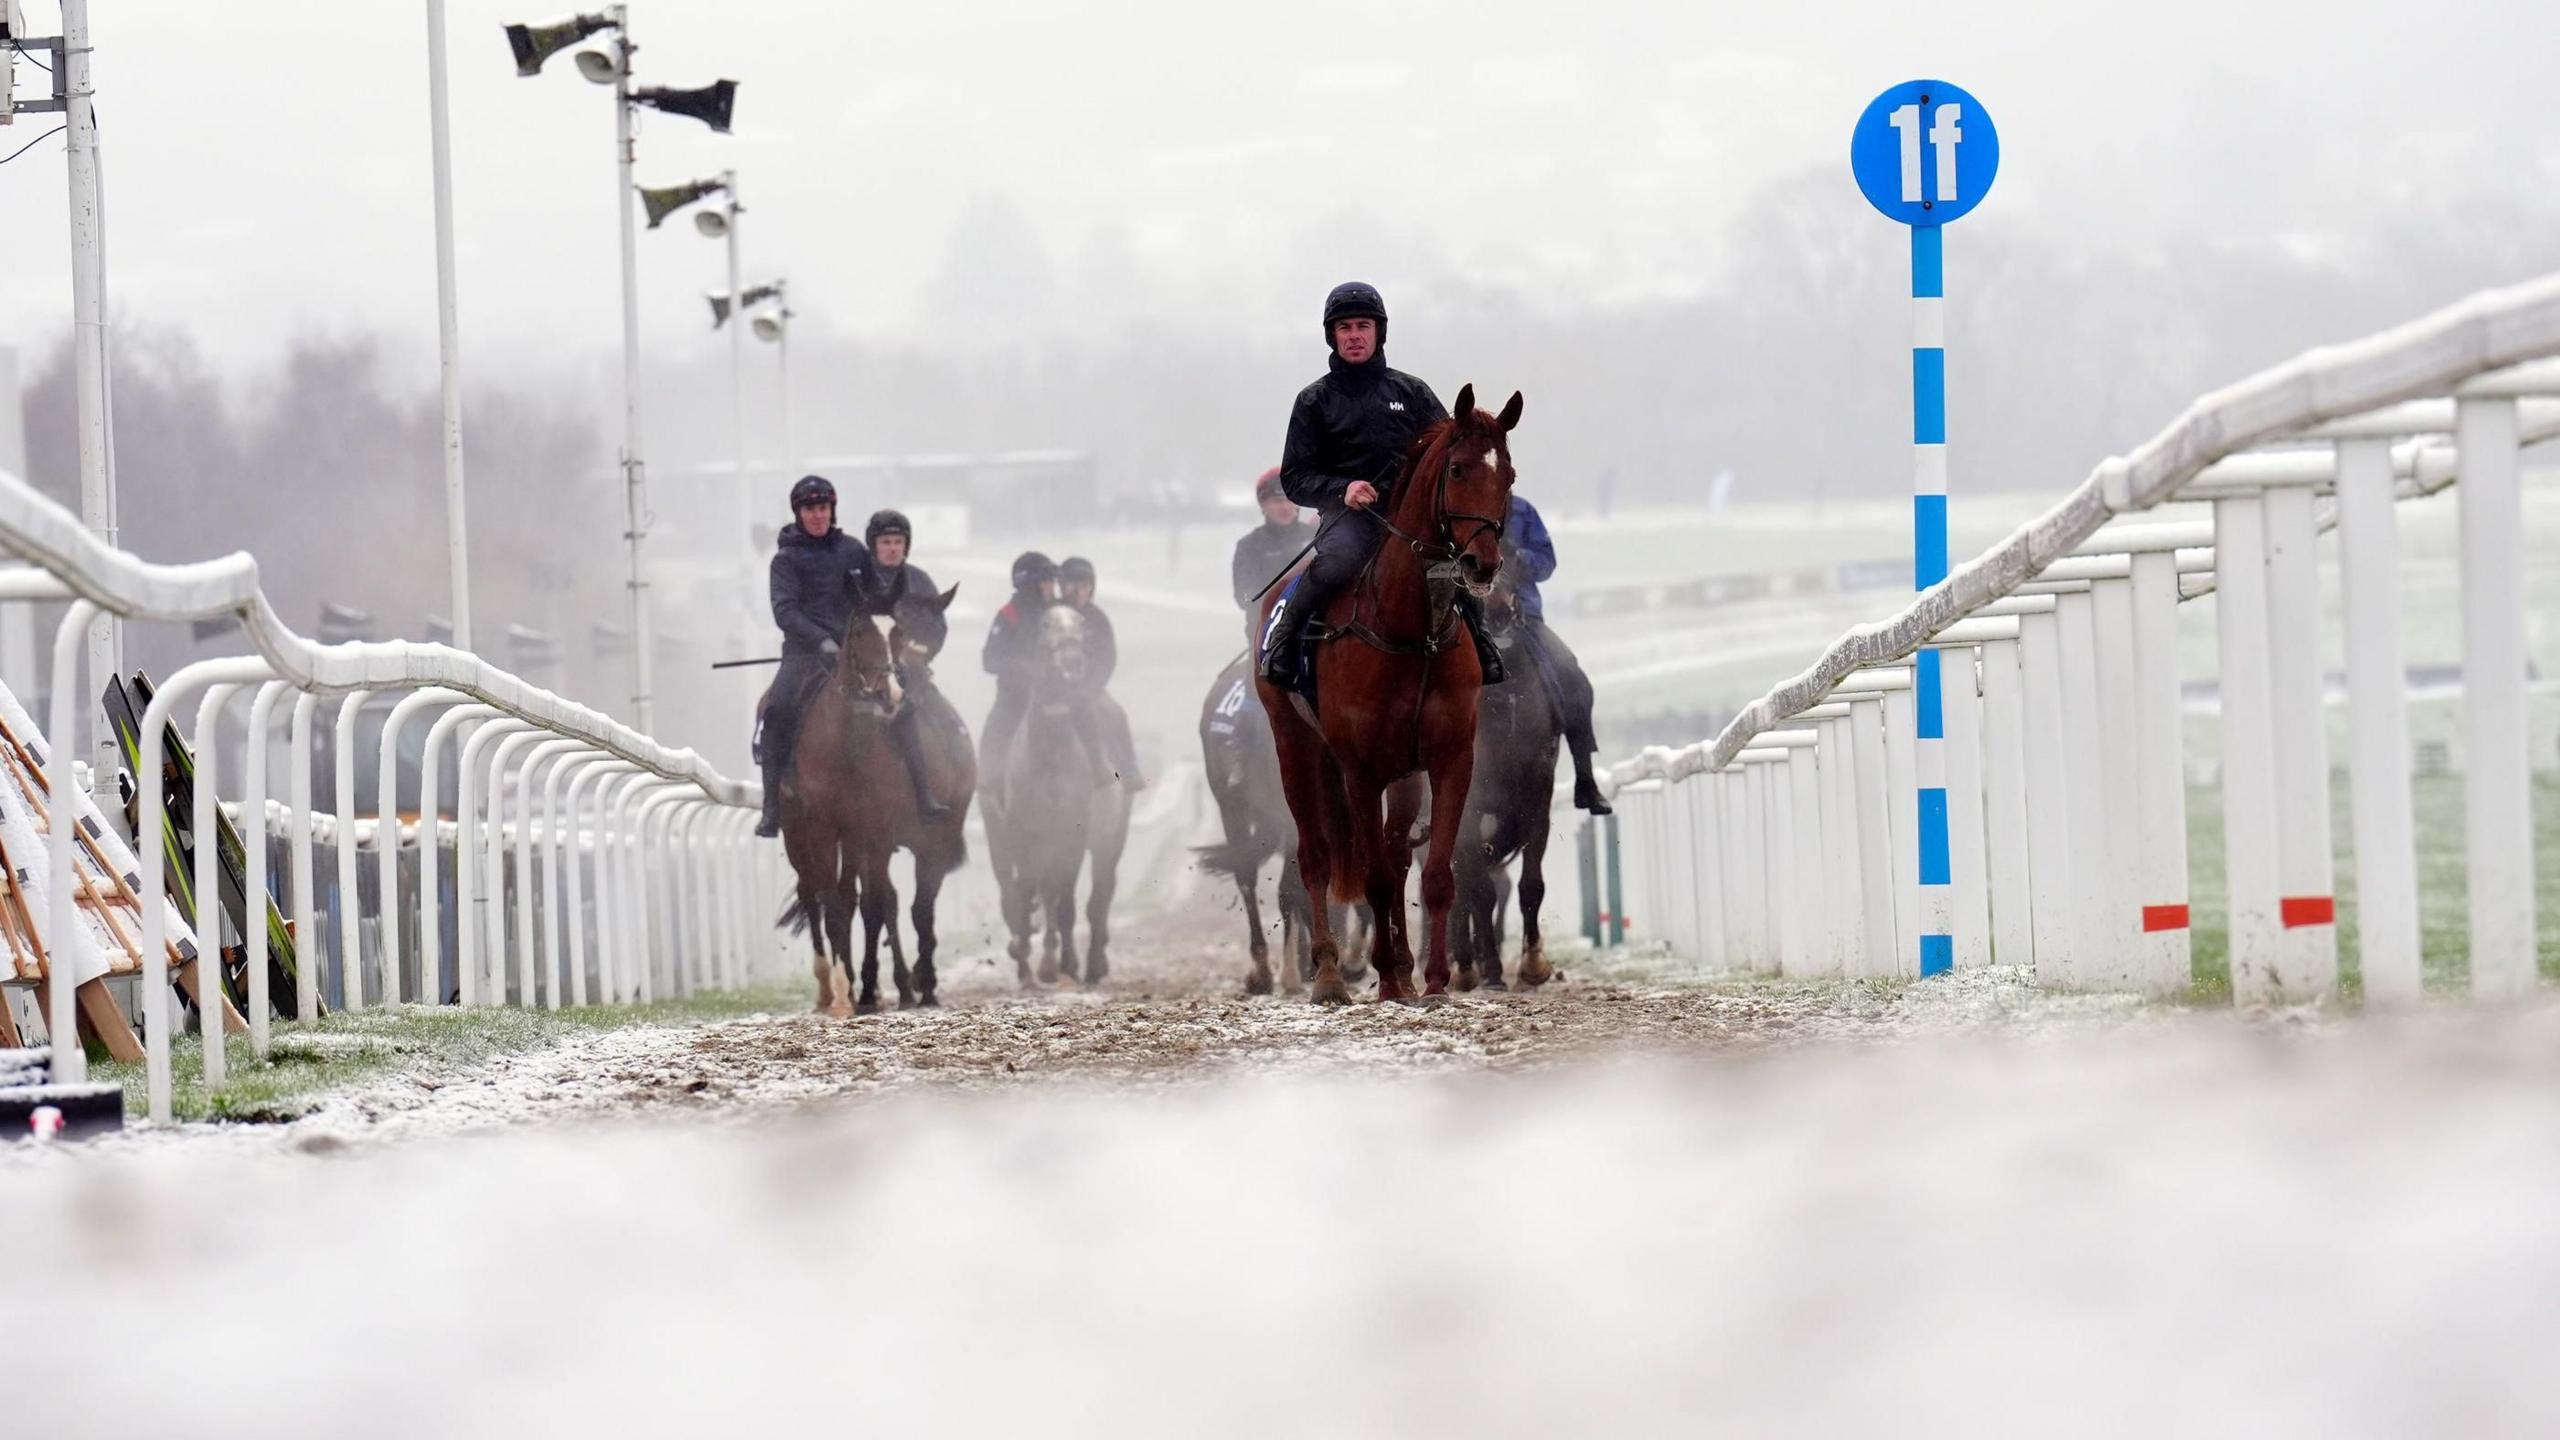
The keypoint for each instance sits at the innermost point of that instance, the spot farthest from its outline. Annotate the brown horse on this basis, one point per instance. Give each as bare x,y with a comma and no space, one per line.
1396,687
1518,737
848,801
918,626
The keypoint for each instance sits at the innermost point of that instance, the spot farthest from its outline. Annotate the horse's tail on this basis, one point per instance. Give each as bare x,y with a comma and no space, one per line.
795,916
1240,858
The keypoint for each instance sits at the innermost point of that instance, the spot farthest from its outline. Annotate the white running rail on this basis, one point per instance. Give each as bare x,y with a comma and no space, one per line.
683,899
1786,841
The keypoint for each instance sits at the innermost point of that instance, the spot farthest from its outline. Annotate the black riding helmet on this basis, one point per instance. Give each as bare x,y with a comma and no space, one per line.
1075,570
888,522
1351,300
812,490
1031,568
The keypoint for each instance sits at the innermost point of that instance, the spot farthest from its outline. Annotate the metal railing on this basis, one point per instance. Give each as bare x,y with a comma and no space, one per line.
682,900
1790,840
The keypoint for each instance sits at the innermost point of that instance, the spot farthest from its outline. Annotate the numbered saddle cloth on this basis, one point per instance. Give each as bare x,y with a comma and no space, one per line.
1305,668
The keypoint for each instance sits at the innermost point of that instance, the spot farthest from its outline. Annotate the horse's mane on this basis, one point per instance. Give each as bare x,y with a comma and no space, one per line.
1431,435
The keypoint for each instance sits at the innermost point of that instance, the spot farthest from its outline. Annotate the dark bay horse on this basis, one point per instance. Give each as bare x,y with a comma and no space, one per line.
1046,815
1396,687
918,627
1518,737
847,802
1243,771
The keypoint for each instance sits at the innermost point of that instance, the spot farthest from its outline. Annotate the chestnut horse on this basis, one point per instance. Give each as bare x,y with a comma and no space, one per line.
1396,689
848,801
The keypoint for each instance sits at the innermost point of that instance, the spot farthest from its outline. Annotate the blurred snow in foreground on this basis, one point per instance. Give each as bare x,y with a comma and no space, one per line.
2187,1228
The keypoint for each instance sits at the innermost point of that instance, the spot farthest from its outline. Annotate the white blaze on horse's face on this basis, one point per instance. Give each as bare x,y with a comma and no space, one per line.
1493,460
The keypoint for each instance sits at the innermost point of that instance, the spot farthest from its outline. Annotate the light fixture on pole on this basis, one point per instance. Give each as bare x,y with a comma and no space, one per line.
711,105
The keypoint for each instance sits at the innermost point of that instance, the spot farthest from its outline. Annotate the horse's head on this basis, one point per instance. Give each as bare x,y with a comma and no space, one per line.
919,627
863,669
1062,651
1473,486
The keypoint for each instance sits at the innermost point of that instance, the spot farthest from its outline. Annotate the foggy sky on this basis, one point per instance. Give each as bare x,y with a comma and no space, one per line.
1212,168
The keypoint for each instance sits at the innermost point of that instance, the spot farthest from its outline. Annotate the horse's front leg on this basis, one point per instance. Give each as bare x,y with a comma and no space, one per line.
1534,969
897,948
874,908
929,876
1439,880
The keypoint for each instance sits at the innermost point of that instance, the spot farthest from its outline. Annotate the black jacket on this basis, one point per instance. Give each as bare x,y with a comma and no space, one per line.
1262,553
877,580
1101,648
817,585
1354,424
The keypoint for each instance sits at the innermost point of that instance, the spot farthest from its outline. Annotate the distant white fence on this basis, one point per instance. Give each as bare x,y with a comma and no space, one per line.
1790,842
555,797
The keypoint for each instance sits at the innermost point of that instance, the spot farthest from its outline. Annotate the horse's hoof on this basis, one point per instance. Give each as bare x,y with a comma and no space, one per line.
1466,980
867,1005
928,1001
839,1011
1495,984
1258,983
1332,992
1432,999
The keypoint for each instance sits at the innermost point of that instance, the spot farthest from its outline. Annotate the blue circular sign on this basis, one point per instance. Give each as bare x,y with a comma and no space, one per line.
1924,152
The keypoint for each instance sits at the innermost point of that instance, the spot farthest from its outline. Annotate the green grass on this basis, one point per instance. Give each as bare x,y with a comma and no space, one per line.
308,1062
2443,899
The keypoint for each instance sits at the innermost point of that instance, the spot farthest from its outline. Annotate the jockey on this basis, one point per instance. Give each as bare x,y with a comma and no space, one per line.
1107,729
1348,434
1012,653
1272,546
1534,553
817,582
889,538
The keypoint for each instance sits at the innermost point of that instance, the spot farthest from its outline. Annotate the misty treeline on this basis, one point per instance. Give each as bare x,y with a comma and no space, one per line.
334,479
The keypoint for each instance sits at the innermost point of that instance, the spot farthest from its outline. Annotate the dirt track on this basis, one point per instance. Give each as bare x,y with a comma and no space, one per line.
1173,1012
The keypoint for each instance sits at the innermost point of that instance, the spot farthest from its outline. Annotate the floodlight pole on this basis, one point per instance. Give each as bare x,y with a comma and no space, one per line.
89,365
634,474
457,541
738,377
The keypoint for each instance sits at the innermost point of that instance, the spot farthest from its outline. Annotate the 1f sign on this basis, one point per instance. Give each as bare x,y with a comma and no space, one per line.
1924,152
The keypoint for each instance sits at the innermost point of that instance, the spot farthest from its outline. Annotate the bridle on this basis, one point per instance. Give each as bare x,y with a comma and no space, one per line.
1439,554
866,685
1445,547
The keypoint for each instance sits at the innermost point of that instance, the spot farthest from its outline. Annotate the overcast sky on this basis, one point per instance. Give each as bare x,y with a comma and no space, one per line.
268,175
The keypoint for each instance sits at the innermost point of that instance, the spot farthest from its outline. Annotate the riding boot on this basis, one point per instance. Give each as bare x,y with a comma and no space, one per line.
1488,656
1579,743
771,823
1285,637
910,745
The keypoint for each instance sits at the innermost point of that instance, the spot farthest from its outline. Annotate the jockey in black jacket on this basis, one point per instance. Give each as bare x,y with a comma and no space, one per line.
890,539
1270,547
1348,434
820,579
1108,726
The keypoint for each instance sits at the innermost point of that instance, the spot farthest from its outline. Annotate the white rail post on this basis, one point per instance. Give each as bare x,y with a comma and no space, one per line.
206,886
386,839
2120,827
539,990
2047,794
2306,879
1874,825
1804,787
470,871
1675,859
152,811
2387,943
350,895
1961,695
2497,762
568,862
1743,817
2005,804
612,896
493,864
2248,750
431,859
1842,886
2167,968
1902,770
62,1017
253,846
2095,953
1724,815
307,956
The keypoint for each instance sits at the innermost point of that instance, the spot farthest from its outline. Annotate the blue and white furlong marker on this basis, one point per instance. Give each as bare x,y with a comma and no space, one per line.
1924,153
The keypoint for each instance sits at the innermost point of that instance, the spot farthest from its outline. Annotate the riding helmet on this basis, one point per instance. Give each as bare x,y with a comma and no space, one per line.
1267,486
1075,570
1031,568
888,522
812,490
1351,300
